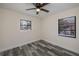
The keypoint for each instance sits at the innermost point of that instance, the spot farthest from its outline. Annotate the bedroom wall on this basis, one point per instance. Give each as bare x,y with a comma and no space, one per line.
10,34
50,30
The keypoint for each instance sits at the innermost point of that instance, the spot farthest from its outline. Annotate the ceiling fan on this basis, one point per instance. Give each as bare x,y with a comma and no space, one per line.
39,7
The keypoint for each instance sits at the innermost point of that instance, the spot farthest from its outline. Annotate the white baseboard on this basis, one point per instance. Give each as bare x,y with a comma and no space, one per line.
19,45
60,46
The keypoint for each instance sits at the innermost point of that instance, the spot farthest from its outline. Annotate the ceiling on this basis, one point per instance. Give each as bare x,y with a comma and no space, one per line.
52,7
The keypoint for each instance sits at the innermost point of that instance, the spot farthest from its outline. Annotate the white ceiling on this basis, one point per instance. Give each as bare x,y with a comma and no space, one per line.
52,7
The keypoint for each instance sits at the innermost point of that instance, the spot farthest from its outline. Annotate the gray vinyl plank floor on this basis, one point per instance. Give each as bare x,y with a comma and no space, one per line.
38,48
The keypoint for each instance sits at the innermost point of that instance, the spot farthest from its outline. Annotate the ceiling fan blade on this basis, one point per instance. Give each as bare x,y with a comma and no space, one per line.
31,9
44,10
43,4
37,5
37,13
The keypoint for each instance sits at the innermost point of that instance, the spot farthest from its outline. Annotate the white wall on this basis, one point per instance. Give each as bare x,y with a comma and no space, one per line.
50,30
10,33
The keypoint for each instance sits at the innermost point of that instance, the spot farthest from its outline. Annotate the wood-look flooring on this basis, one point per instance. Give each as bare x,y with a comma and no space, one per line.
38,48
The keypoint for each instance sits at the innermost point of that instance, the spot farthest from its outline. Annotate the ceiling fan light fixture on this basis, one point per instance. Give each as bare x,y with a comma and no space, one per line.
38,9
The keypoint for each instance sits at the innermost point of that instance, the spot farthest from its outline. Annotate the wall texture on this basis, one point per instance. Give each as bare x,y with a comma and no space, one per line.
10,33
50,30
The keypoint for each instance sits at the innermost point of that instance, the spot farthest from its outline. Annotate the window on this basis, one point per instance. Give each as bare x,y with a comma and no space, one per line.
67,27
25,24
